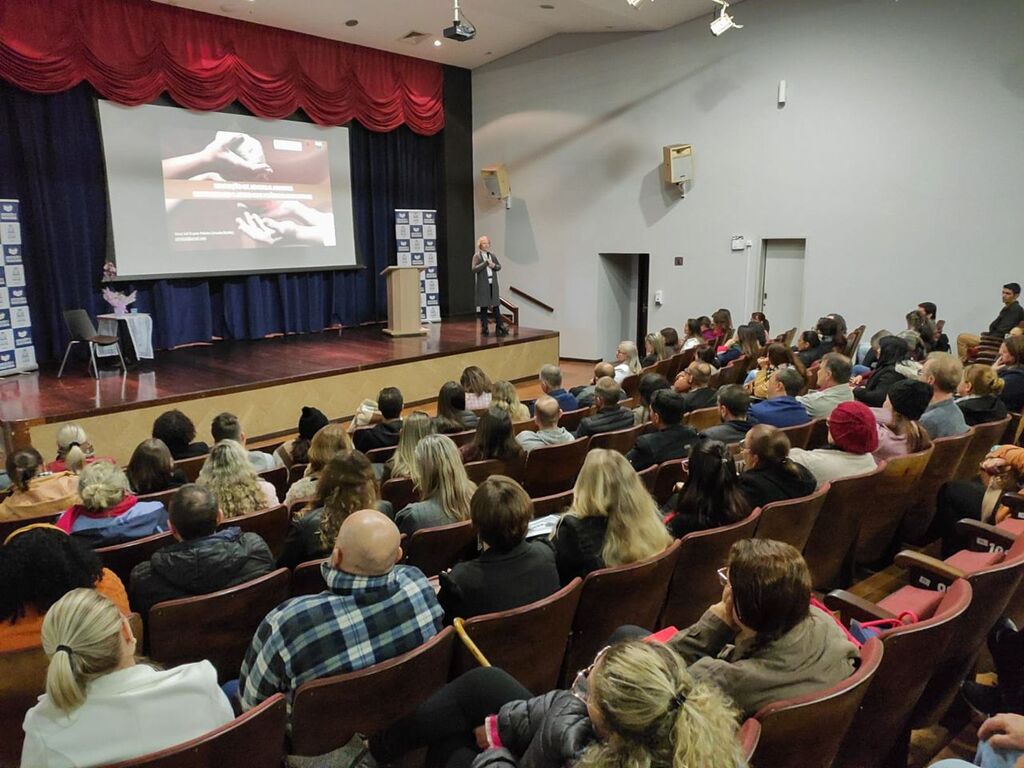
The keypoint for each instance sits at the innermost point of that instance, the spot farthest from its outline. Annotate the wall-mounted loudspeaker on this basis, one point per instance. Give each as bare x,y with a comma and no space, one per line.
496,181
677,167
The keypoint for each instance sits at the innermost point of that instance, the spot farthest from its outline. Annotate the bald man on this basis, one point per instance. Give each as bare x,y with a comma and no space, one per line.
545,414
372,610
485,270
585,396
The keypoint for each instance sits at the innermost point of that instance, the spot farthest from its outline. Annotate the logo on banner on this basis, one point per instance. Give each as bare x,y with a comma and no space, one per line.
5,319
7,361
403,246
401,217
23,337
10,233
416,232
9,211
12,254
430,217
20,317
18,297
25,357
15,275
429,245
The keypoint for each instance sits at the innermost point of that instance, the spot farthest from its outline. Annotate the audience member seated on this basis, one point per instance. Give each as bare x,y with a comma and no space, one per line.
764,641
776,356
733,406
230,477
832,333
978,395
692,337
109,514
654,350
809,348
768,473
892,351
636,705
1010,316
671,338
943,372
671,440
627,361
494,439
384,433
477,387
722,326
445,491
898,430
510,571
452,415
505,398
39,564
649,384
852,438
151,468
346,484
585,395
296,450
545,414
1001,744
870,360
326,443
612,521
610,416
781,409
203,559
940,341
74,450
227,427
1010,367
177,431
551,385
711,496
833,382
371,611
416,426
748,341
34,491
101,705
692,383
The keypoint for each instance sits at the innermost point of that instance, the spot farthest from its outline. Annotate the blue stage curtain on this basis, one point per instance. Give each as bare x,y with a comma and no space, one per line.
51,159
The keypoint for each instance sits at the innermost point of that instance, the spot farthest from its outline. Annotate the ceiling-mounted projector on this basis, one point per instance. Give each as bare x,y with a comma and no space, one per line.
459,30
723,22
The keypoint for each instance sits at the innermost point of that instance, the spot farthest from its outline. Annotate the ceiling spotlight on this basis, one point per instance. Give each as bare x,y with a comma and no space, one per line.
723,21
461,29
636,3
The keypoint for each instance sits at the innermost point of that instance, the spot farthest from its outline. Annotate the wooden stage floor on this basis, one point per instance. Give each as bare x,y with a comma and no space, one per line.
265,382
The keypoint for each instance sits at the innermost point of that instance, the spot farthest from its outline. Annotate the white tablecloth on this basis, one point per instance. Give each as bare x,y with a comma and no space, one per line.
140,329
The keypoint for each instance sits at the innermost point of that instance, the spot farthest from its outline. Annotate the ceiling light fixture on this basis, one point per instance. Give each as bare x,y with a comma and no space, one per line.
462,29
723,21
636,3
437,43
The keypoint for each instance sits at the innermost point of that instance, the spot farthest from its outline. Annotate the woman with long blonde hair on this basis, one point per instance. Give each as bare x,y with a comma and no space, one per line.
415,427
95,688
505,397
654,349
627,360
613,520
445,490
327,442
231,478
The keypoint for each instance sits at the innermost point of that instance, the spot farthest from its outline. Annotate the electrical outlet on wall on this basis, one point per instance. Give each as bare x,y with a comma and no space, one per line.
679,261
659,298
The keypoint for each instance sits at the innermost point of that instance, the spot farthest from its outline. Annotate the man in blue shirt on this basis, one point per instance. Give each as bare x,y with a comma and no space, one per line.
373,610
551,384
782,409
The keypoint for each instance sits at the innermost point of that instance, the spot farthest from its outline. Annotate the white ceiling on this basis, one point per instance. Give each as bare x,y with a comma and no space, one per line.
503,26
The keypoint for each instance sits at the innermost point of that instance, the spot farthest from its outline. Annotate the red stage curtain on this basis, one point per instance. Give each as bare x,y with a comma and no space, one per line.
132,50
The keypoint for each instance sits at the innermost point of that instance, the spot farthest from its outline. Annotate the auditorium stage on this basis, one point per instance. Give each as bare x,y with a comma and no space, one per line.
264,382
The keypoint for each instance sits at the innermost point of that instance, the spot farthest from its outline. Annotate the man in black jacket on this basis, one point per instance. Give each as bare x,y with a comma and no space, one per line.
733,404
693,383
383,434
610,415
203,559
1010,316
672,440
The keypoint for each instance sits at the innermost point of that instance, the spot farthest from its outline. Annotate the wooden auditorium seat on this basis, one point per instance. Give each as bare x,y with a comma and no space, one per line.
555,504
478,471
799,435
621,440
308,579
819,435
1013,434
631,385
735,371
121,558
985,436
277,477
792,521
295,473
669,473
381,455
703,418
947,453
553,468
7,527
437,549
270,524
463,438
164,497
648,476
190,467
400,491
570,420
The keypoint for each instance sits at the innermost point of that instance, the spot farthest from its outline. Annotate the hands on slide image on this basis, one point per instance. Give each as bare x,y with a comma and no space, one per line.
231,156
302,225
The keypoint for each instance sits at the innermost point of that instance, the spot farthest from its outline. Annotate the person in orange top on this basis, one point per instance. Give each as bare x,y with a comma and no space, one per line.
34,491
39,564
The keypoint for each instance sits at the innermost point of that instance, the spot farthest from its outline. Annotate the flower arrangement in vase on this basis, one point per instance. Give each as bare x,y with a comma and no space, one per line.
116,299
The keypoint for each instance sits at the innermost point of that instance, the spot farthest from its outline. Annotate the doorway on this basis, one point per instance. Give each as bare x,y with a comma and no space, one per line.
622,289
782,282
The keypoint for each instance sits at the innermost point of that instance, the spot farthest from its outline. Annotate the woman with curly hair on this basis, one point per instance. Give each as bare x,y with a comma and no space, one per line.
38,565
177,431
239,490
505,397
322,448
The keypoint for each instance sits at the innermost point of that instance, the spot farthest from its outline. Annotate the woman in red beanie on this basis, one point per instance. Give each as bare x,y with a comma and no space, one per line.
852,438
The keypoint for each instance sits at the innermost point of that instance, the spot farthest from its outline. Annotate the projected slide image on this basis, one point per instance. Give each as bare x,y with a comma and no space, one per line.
230,190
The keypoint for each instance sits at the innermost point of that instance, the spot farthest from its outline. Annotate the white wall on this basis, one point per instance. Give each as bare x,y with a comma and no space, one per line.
899,157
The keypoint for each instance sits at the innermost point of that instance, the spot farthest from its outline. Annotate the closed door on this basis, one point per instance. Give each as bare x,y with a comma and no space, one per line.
782,295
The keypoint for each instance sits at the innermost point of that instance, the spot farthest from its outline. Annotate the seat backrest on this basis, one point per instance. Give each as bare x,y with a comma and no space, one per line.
788,336
611,597
911,652
819,435
190,467
736,371
297,471
326,713
217,626
7,527
853,342
400,491
631,385
478,471
621,440
381,455
277,477
164,497
270,524
829,548
648,476
1012,434
947,453
703,418
807,730
528,642
695,584
254,739
433,550
570,420
669,473
79,324
308,579
792,521
555,504
523,426
799,435
680,361
883,510
985,436
553,468
664,367
121,558
463,438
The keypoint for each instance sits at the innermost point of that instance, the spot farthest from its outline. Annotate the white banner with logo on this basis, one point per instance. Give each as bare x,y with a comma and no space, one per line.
416,238
17,352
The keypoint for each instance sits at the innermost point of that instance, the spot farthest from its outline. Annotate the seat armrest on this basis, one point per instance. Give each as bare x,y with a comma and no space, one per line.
983,537
927,572
850,606
1015,502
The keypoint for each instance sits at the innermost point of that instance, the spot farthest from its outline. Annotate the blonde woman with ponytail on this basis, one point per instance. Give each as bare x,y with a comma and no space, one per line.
445,490
74,450
100,705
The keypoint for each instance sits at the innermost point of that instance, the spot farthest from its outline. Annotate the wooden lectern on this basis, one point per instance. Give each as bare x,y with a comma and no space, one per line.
404,301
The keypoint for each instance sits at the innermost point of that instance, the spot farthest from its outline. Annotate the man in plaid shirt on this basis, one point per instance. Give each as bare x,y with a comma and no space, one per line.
372,611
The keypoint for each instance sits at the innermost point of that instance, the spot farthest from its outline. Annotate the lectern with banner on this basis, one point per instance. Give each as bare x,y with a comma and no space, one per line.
404,301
